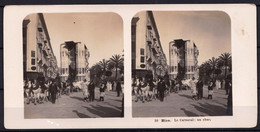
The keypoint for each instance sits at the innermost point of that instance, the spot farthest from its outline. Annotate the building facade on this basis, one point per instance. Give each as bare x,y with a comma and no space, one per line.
183,60
147,52
74,61
38,57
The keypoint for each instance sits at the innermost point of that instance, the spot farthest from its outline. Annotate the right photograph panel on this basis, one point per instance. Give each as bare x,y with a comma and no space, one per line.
181,64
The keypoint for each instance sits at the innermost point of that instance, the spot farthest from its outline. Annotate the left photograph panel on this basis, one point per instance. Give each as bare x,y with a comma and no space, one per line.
73,65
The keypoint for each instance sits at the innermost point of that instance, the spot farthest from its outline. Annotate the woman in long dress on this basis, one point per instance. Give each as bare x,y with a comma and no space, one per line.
193,89
84,86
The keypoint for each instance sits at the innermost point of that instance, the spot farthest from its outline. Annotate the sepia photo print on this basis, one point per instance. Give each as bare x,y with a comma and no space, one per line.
181,64
73,65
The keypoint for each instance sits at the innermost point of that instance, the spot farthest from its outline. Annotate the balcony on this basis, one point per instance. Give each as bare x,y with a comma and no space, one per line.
149,41
39,29
149,26
44,49
154,50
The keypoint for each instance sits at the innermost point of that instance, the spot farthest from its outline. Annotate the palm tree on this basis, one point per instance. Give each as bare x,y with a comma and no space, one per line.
225,58
117,61
213,64
104,64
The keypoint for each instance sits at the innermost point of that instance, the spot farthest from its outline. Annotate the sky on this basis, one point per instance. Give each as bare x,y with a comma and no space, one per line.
101,32
210,31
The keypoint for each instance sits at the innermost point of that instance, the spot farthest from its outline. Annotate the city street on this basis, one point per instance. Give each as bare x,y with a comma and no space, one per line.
182,105
73,106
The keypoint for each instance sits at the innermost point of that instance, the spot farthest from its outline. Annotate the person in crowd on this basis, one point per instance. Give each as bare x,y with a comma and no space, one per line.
168,85
151,90
155,89
53,91
26,90
122,87
172,85
43,91
143,86
218,84
102,91
133,85
113,85
91,89
68,87
109,87
193,88
210,89
34,91
229,87
84,86
137,88
200,88
224,84
47,86
161,89
59,89
29,92
118,88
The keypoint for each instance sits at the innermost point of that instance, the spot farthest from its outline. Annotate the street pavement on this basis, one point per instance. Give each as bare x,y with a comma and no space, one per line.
73,106
181,105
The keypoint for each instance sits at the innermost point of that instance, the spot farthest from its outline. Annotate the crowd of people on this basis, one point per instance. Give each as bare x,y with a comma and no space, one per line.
39,91
147,89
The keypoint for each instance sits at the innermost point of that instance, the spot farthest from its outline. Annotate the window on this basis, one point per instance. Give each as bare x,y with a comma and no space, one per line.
142,59
33,61
142,51
33,53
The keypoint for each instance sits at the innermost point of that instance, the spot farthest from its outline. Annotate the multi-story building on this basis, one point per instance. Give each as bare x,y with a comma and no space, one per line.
74,61
183,60
147,52
38,57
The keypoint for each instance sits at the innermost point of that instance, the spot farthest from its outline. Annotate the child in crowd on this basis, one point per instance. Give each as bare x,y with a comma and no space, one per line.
210,89
102,91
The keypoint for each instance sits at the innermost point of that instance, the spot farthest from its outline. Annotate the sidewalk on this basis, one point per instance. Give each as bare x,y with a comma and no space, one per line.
182,105
73,106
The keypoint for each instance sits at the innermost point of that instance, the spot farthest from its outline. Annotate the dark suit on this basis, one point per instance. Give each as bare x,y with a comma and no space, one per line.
53,91
161,88
91,88
200,89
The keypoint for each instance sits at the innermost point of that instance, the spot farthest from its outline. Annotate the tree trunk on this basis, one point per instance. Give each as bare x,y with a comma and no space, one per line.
116,72
225,71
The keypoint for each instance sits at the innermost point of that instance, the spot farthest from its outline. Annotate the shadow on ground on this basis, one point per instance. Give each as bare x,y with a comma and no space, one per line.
103,111
188,113
80,115
78,98
210,109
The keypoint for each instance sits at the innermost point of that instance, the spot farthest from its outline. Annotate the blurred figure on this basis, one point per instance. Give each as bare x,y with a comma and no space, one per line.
91,89
102,91
193,88
53,91
210,89
161,88
84,86
118,88
229,101
200,88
